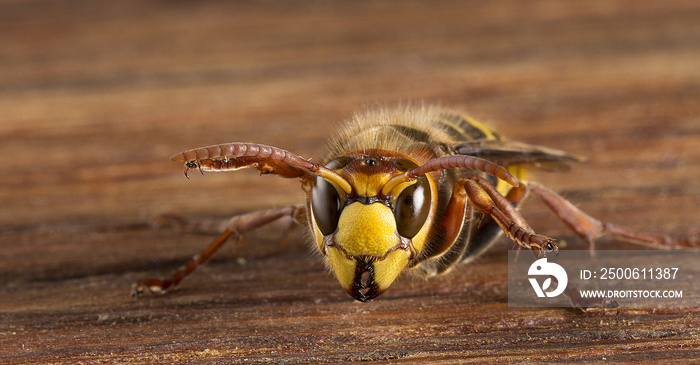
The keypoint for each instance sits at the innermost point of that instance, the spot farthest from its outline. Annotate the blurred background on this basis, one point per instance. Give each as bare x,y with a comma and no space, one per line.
95,97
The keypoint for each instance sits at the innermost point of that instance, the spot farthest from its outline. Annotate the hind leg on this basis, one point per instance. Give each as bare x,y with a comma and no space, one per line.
590,228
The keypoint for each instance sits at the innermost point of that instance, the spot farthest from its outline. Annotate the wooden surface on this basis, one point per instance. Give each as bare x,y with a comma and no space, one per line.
94,98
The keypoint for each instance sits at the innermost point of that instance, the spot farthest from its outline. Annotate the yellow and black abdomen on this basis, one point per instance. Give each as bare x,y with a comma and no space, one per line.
466,129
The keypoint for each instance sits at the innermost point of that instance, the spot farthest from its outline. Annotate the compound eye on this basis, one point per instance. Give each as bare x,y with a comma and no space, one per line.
325,204
412,208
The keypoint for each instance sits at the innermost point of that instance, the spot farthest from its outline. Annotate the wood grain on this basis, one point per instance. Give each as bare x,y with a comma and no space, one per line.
94,98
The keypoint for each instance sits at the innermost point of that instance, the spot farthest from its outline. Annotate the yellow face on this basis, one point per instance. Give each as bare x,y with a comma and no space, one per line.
369,236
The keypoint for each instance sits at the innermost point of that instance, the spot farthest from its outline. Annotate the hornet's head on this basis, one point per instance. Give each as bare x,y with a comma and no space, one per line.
368,233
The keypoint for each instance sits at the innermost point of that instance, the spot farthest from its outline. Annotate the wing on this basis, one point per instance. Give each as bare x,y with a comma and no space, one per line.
509,153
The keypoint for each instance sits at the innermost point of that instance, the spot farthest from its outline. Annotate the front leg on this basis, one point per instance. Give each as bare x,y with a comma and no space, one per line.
485,199
237,226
